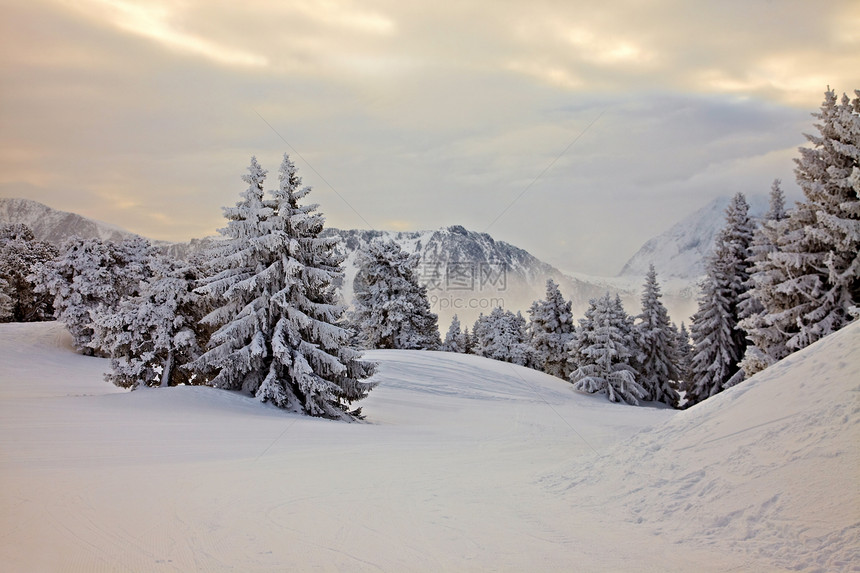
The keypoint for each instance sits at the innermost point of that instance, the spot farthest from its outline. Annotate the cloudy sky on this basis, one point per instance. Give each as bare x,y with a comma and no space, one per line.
576,130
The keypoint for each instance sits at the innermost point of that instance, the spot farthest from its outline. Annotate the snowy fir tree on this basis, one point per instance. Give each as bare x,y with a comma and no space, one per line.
455,339
150,336
753,315
602,349
89,277
20,256
551,328
502,335
278,331
685,358
468,342
718,341
391,307
657,343
7,305
810,286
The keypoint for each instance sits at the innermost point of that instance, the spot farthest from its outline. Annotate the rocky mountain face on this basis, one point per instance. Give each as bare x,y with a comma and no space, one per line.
55,226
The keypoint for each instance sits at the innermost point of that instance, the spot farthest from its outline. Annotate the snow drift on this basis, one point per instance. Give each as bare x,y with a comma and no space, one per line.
768,469
464,464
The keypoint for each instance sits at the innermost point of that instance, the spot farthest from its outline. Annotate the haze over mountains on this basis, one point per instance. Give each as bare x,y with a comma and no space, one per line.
681,250
466,272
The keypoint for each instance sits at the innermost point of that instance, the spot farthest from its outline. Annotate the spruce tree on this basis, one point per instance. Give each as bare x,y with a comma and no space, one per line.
753,315
810,285
455,339
91,277
718,341
601,351
7,305
391,307
685,359
278,328
502,335
468,342
551,328
657,342
150,336
20,257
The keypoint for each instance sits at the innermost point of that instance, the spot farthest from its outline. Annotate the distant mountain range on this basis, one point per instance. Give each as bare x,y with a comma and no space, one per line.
55,226
681,251
466,272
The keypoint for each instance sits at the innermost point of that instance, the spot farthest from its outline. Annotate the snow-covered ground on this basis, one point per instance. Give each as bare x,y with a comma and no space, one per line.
463,464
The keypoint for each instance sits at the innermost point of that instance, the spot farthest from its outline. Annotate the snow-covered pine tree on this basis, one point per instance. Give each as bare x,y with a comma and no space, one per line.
657,342
810,285
455,339
502,335
279,332
391,307
7,305
685,359
551,328
20,256
150,336
468,342
91,276
718,341
601,350
752,313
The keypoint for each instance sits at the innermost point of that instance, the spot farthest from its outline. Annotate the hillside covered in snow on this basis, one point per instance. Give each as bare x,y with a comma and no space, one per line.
463,463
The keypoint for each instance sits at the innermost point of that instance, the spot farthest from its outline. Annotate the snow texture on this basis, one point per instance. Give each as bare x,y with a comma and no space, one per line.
766,470
464,464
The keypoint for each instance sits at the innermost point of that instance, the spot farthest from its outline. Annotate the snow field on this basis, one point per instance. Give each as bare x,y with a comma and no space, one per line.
463,464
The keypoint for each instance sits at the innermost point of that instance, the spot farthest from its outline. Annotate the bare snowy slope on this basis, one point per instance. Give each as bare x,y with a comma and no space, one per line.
56,226
769,469
464,464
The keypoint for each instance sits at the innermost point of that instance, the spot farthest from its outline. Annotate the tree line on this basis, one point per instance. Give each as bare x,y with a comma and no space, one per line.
258,311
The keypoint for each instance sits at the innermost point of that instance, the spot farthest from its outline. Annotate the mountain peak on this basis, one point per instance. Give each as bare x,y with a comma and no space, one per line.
55,226
680,252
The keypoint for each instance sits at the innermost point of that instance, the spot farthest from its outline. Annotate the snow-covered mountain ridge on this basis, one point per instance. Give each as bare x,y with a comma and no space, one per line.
500,274
55,226
466,272
680,252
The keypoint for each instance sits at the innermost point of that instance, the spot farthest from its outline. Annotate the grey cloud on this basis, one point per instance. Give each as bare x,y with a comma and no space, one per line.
416,115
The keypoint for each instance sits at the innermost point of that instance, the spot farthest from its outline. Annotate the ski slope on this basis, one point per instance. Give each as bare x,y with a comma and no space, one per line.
463,464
